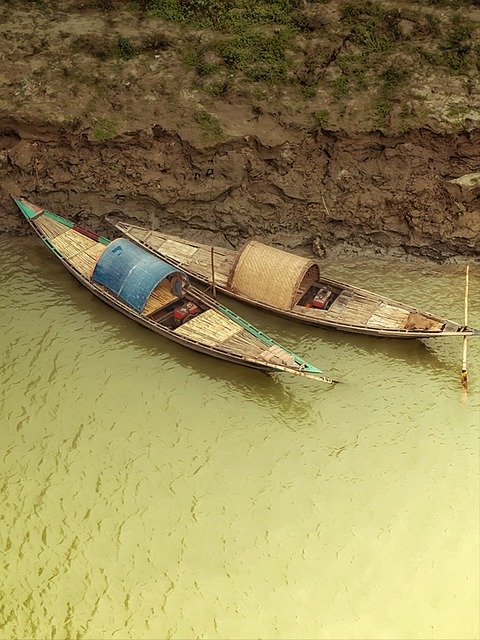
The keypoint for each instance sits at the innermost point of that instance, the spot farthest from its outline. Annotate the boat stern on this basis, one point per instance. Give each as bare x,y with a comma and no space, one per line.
307,371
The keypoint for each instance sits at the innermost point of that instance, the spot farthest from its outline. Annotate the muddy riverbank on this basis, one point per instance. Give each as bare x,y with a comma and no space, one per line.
302,131
415,193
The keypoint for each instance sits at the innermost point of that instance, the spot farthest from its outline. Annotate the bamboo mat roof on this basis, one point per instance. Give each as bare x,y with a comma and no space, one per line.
270,275
160,298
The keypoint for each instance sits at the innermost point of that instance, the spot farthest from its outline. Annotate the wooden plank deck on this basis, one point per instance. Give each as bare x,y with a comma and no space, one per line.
355,309
70,243
197,259
51,228
85,261
388,317
215,330
81,252
192,256
210,328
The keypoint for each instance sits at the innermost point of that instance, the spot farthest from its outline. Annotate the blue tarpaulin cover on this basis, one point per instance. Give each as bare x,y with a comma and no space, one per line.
129,271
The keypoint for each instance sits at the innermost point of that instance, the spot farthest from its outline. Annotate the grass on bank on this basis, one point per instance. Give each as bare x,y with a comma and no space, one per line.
344,50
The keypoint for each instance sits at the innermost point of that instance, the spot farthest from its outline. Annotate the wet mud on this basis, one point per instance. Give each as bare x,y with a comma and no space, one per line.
416,193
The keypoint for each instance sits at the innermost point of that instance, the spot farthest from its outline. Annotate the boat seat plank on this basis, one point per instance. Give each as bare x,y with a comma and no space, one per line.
177,250
362,297
391,311
340,302
244,343
357,316
379,322
388,317
347,308
277,355
201,263
205,254
157,239
142,234
205,272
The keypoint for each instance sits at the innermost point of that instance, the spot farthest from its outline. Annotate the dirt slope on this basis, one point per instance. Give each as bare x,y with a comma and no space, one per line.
142,138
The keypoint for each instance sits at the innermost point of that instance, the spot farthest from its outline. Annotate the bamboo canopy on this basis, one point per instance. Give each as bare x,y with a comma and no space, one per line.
270,275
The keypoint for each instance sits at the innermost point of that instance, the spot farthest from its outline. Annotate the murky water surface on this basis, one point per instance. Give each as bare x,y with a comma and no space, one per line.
151,492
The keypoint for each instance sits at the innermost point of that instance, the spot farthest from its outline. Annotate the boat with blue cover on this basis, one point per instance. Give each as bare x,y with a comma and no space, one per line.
159,296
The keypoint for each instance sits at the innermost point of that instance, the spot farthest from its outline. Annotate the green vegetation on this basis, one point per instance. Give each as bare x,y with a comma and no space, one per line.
210,125
321,119
357,53
341,85
119,46
458,46
124,48
234,16
105,129
476,51
373,28
261,56
195,58
458,112
354,69
392,79
455,51
217,89
382,110
309,91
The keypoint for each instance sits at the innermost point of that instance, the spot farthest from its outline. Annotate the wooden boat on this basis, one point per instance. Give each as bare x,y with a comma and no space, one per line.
159,296
294,287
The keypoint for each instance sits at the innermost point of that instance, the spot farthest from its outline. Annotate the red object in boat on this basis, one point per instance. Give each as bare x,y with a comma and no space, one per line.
185,311
321,299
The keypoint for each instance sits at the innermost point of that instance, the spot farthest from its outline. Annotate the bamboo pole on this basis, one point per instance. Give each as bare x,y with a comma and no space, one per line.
464,376
213,273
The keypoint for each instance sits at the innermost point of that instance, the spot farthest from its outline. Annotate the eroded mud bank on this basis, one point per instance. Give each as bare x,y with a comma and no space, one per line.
330,191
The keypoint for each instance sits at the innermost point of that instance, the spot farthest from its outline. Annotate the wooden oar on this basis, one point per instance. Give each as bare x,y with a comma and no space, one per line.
464,376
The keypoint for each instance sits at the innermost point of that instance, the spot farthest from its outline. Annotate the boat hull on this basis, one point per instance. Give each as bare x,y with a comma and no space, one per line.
110,271
163,332
344,328
450,329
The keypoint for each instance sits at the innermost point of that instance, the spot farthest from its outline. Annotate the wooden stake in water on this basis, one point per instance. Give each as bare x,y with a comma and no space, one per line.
464,376
213,274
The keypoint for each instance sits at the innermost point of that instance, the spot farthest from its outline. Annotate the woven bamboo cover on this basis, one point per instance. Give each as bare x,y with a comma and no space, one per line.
269,275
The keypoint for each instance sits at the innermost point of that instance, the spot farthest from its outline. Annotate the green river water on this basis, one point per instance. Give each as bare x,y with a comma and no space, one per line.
151,492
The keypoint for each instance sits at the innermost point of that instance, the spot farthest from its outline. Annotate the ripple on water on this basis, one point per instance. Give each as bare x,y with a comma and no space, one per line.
147,491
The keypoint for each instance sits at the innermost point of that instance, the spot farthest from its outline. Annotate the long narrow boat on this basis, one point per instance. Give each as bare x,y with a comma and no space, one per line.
294,287
159,296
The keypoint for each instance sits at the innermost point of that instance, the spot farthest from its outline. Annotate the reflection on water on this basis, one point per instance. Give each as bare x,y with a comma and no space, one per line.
151,492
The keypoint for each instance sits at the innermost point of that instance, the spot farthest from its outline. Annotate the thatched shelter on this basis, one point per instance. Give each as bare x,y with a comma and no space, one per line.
271,276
